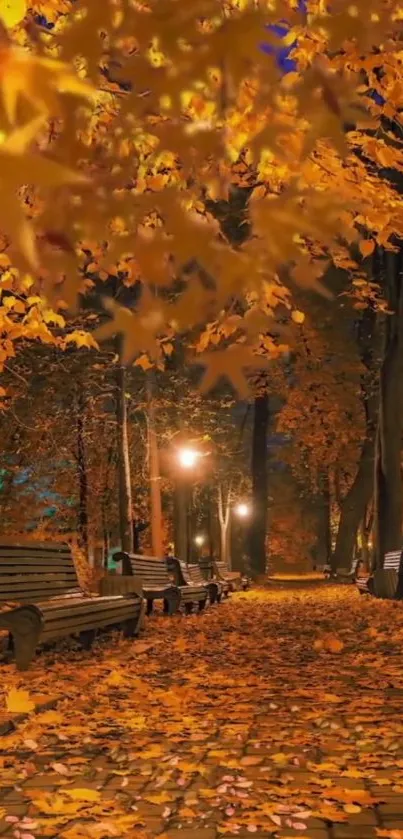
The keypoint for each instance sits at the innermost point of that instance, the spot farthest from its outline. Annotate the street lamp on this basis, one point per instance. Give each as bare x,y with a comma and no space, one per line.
188,457
242,510
199,540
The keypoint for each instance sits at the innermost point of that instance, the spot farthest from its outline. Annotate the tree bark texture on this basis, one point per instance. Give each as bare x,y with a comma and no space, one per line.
82,518
155,477
323,506
355,503
123,464
257,531
181,513
224,519
388,477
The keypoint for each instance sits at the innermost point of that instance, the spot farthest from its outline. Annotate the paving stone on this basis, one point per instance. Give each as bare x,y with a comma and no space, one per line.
153,824
348,831
315,824
392,808
16,808
44,781
200,833
309,834
13,797
143,808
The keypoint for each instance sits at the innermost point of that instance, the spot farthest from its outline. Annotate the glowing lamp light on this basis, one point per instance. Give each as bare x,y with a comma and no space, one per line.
188,458
199,540
242,510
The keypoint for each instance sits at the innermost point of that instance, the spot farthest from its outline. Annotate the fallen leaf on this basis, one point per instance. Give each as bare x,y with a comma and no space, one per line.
19,702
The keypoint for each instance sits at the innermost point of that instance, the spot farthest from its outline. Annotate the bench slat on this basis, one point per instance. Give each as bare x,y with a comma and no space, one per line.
153,572
18,579
43,556
54,609
29,564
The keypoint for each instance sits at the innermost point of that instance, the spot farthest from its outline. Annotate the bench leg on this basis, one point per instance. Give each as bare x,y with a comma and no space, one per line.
213,593
133,626
26,634
189,608
149,607
173,603
202,605
10,643
130,628
141,618
87,638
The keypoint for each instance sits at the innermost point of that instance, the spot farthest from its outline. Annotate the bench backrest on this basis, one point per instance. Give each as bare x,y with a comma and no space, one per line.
35,571
189,575
193,575
392,561
206,566
152,572
221,568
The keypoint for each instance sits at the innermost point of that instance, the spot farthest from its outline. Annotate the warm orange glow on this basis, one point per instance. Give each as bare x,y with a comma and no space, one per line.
188,457
242,510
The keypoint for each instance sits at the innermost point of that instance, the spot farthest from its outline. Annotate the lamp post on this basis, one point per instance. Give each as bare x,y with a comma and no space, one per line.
187,459
243,511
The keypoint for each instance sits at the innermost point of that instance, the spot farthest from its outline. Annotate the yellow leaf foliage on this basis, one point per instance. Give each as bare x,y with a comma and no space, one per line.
19,702
192,114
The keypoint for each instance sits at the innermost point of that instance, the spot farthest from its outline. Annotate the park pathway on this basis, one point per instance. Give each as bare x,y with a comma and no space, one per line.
276,714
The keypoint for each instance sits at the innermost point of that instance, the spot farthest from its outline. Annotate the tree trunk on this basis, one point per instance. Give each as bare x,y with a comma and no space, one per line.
123,463
181,536
210,531
155,477
82,523
388,478
257,532
355,503
324,540
106,500
224,519
354,506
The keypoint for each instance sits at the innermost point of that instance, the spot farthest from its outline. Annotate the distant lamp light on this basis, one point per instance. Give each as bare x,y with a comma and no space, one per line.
188,457
199,540
242,510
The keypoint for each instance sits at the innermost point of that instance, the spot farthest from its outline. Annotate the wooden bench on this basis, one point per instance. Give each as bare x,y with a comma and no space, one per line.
234,578
157,582
209,573
190,577
365,585
43,601
388,581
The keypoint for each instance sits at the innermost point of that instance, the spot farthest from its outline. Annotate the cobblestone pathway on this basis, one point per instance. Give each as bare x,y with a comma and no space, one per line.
277,714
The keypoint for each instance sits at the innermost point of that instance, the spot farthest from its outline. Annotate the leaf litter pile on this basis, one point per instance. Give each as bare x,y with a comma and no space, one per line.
276,714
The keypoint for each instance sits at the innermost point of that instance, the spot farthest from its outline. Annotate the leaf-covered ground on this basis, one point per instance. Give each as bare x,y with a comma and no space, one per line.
276,714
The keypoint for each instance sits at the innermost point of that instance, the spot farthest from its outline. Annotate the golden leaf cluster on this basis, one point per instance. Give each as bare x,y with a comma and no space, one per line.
159,143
